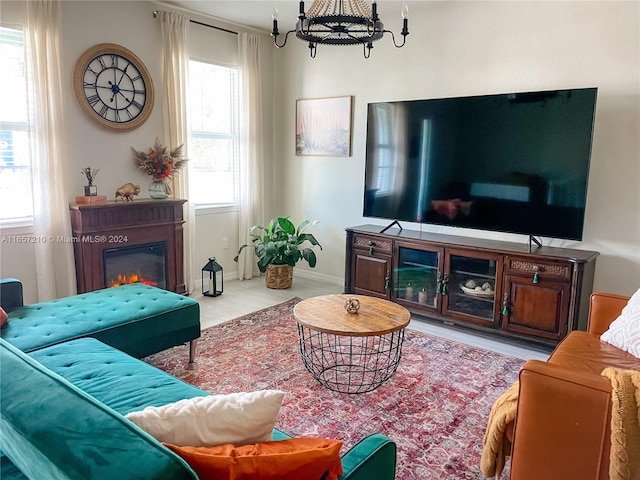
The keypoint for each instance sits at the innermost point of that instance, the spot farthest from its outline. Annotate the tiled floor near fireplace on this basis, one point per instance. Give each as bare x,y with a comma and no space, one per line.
240,298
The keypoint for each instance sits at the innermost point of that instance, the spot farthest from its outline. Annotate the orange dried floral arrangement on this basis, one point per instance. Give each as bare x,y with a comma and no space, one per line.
160,162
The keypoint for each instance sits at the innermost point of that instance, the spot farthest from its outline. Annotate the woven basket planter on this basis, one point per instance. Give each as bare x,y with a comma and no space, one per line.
279,276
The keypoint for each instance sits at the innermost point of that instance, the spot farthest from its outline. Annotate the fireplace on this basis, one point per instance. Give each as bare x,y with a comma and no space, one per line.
138,264
141,241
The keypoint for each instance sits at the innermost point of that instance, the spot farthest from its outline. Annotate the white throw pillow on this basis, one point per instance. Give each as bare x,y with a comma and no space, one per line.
237,418
624,331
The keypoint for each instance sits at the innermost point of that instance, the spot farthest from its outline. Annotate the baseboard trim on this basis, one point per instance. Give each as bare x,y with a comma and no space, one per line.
311,275
308,274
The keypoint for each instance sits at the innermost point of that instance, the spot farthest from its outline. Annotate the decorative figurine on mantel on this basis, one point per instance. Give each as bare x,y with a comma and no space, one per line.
90,190
127,192
160,163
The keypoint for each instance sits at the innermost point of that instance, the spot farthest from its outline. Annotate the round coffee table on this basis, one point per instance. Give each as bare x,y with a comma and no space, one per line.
350,352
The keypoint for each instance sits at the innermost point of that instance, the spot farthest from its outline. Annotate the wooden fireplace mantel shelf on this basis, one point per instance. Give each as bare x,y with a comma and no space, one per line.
100,227
101,216
125,204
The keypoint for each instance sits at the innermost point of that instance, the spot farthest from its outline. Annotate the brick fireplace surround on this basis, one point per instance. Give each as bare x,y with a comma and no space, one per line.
100,227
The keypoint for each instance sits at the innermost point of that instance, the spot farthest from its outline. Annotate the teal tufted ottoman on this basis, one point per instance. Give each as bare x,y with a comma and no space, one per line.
138,319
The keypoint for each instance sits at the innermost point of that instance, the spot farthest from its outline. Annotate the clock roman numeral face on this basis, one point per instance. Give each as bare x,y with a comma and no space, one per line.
114,88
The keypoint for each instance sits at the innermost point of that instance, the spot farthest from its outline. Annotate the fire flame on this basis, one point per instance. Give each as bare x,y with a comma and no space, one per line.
133,278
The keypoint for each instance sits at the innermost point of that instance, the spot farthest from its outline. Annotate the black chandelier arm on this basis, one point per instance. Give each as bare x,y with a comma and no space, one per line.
393,38
275,39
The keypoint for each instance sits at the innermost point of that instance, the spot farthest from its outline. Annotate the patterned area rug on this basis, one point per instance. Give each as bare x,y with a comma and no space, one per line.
435,407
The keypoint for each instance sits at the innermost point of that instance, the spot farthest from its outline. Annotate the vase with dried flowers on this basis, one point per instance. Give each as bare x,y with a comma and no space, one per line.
161,163
90,190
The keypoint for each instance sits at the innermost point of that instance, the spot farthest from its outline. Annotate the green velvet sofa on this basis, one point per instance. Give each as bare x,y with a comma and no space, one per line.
62,417
138,319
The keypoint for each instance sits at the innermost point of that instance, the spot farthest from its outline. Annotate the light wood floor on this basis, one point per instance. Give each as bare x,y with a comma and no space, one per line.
242,297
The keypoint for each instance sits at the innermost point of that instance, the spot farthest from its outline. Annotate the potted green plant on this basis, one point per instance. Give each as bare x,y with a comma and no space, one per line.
279,247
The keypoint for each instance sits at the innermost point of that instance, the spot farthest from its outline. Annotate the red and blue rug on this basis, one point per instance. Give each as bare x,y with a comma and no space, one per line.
435,407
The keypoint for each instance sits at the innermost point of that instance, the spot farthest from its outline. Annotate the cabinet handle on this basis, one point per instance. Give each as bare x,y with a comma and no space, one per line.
371,245
386,282
505,305
444,284
536,269
439,284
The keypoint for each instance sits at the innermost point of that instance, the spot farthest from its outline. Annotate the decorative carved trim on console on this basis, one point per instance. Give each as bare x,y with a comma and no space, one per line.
378,244
98,227
549,269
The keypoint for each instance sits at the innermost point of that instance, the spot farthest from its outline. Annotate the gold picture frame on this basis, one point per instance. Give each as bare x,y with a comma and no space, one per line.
324,126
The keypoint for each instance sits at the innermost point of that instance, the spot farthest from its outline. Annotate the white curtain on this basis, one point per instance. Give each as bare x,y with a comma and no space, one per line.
251,149
175,73
55,270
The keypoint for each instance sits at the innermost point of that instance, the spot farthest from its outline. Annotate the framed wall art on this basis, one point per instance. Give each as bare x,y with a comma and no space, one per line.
323,126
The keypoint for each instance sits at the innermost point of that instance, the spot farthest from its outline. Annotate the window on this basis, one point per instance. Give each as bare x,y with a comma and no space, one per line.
16,199
384,149
213,139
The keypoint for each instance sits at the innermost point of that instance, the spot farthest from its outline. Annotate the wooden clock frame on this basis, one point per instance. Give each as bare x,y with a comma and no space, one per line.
79,88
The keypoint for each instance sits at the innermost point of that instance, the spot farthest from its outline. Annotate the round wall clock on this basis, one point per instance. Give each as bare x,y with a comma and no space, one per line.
113,87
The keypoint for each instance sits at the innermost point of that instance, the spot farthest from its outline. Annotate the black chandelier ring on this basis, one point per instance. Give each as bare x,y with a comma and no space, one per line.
340,22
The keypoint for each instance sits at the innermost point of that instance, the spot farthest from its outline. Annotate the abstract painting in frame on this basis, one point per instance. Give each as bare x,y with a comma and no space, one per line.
323,126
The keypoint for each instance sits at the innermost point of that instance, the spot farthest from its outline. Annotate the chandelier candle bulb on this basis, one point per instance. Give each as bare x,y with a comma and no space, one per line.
274,16
405,20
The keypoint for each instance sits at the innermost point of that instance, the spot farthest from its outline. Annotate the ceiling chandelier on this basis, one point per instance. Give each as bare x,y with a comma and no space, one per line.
340,22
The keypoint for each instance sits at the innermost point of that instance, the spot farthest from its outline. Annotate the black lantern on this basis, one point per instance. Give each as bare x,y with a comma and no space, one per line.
210,283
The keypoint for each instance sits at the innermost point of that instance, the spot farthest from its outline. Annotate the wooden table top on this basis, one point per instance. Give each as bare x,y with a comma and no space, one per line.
375,317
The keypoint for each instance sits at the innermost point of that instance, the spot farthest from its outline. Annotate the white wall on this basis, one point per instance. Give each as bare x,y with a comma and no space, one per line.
130,24
454,49
470,48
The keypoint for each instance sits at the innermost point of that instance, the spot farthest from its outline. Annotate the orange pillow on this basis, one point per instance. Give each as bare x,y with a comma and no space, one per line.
4,318
291,459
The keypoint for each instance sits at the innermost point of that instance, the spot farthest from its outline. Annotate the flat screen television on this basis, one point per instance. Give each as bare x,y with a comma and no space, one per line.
516,162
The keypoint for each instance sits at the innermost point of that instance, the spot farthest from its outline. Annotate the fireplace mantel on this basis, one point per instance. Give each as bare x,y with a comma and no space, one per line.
99,227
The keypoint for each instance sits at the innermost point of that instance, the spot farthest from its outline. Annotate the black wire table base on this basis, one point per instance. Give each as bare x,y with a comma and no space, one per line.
350,364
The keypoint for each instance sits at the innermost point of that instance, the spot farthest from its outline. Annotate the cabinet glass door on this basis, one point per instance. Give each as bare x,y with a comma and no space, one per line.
416,276
471,286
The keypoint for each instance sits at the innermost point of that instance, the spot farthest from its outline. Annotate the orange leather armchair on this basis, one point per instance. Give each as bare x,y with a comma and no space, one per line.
562,428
